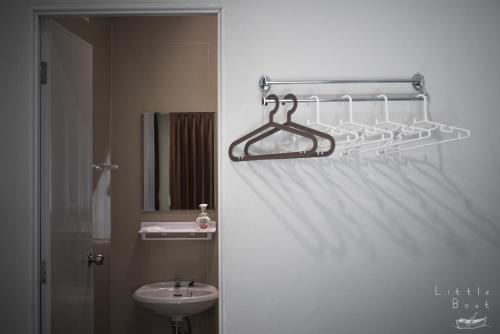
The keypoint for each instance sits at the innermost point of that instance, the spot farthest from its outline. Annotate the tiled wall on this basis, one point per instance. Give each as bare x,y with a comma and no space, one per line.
162,64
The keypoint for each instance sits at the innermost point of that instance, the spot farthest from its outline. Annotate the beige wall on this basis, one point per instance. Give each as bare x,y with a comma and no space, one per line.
162,64
96,31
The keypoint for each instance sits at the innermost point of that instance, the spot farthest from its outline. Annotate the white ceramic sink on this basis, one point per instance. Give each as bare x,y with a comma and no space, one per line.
164,298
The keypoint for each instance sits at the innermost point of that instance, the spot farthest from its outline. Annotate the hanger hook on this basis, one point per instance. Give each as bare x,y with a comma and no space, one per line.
317,107
276,106
264,105
386,105
349,97
425,105
291,111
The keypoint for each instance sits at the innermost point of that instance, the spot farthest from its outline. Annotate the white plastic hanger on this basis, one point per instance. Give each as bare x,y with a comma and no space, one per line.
403,133
462,133
369,135
386,124
342,136
434,128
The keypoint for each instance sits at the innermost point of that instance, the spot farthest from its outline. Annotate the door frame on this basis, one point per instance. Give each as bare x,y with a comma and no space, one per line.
40,135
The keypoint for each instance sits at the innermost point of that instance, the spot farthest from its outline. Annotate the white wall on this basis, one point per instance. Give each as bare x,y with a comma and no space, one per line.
324,246
16,172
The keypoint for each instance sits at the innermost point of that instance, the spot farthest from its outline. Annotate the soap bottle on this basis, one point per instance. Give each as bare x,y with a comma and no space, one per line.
203,220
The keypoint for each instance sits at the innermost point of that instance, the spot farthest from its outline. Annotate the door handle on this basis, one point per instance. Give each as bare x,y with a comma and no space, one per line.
96,259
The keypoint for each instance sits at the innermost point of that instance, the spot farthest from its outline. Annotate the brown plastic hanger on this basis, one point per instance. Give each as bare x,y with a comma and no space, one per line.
276,127
298,126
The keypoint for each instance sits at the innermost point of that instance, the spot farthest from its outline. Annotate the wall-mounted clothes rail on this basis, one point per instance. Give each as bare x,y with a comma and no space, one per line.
417,81
355,134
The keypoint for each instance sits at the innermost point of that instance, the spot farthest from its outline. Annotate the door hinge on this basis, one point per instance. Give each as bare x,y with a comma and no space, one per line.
43,72
43,272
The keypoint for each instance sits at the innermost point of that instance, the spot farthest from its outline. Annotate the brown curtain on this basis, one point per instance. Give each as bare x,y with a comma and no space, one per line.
191,160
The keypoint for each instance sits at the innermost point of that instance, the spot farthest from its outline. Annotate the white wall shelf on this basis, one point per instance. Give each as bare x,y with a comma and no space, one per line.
175,231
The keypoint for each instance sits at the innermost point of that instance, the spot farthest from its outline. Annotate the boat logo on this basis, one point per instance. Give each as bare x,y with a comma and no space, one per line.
471,323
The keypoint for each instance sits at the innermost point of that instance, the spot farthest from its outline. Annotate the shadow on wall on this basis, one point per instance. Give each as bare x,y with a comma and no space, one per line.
367,201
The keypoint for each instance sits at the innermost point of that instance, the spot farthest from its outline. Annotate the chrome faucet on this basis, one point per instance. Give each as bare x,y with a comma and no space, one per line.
177,282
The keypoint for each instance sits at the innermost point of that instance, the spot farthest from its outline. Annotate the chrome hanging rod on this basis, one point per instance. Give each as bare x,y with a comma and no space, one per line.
417,81
358,98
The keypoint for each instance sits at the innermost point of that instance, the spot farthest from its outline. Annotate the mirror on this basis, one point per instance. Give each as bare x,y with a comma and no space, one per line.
178,160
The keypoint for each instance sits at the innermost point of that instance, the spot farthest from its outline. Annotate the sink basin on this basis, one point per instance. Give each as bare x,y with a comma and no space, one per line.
164,298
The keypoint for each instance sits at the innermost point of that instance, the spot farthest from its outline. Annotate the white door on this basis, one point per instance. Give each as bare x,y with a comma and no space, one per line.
66,189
